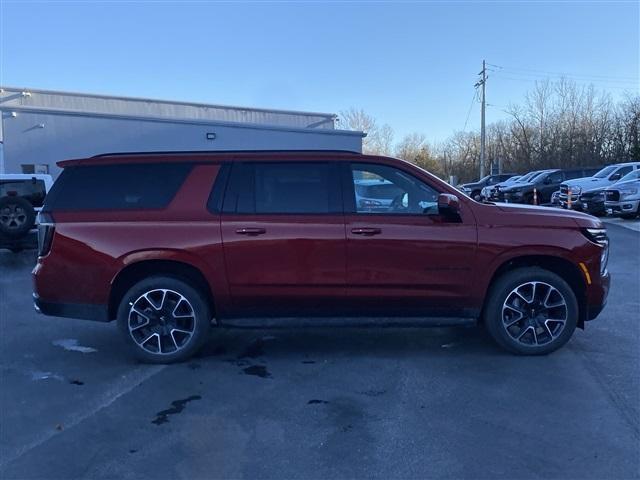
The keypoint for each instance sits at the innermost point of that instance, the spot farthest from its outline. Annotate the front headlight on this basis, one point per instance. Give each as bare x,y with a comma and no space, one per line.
628,191
599,237
576,190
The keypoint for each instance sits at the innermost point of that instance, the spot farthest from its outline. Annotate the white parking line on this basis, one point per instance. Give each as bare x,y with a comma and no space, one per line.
121,387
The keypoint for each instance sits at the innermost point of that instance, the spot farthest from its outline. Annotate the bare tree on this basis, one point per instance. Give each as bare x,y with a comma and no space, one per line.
557,125
379,139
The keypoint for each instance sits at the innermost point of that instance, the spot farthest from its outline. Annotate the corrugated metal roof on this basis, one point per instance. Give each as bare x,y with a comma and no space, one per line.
68,102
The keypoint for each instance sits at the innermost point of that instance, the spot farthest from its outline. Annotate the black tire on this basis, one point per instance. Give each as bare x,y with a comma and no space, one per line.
476,195
164,335
545,336
17,217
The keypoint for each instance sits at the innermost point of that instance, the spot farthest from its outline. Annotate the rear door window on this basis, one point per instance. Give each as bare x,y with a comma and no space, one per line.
283,188
117,187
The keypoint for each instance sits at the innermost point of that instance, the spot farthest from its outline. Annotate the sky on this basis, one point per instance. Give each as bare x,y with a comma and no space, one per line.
412,65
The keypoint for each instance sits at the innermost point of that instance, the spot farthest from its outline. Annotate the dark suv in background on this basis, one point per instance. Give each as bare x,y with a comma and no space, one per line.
170,244
541,187
474,189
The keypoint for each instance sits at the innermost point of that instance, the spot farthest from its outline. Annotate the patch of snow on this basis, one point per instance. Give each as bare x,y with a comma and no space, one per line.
71,344
45,376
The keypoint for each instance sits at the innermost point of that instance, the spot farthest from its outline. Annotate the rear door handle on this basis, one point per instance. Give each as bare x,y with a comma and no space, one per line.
366,231
251,231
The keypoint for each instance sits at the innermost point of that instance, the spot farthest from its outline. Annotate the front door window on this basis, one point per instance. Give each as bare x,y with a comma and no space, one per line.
388,190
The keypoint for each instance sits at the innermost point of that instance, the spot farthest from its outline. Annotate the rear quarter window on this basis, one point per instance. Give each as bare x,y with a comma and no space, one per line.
117,187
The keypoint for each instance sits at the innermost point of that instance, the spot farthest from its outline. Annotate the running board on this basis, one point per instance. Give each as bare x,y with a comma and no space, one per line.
351,322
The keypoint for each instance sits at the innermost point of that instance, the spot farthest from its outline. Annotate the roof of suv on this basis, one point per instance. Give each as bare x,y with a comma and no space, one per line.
212,156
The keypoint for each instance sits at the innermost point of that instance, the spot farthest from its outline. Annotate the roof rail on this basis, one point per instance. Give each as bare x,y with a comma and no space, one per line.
220,152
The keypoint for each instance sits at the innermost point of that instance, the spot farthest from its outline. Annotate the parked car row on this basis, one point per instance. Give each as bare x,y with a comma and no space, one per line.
535,187
613,189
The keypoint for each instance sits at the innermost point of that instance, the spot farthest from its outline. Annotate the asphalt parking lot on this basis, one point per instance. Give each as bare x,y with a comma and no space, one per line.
320,403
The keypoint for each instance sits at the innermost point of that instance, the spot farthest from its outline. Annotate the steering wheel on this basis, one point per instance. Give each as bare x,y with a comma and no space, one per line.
397,204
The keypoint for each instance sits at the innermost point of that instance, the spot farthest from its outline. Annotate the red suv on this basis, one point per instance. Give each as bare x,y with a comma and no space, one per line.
169,244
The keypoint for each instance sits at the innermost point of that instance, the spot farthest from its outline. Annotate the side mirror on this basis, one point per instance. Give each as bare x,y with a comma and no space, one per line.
448,204
615,176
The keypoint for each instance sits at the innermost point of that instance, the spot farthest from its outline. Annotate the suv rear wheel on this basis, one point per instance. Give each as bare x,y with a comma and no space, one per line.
164,319
531,311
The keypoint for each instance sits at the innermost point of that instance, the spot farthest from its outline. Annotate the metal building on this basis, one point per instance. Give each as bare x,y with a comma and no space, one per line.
40,127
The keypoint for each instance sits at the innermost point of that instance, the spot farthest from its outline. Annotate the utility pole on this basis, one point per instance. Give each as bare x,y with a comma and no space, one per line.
482,82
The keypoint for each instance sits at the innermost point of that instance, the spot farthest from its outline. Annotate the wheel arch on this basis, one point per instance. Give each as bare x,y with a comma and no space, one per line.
139,270
562,267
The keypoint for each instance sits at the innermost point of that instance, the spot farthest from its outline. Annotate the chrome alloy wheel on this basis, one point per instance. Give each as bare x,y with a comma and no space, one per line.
534,313
13,217
161,321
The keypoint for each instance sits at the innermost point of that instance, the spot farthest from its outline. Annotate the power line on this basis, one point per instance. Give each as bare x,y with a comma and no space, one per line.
543,73
473,100
601,85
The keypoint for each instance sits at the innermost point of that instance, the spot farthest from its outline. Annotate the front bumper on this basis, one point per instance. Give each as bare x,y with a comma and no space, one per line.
622,206
592,206
597,294
563,199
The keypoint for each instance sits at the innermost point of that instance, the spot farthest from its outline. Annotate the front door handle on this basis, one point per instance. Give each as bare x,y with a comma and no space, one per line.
251,231
368,231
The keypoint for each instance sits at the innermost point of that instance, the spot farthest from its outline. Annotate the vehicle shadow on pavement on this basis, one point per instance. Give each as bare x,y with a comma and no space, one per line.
330,342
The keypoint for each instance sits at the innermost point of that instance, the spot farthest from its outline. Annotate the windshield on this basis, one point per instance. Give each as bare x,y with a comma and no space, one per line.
633,175
605,171
537,175
527,177
511,180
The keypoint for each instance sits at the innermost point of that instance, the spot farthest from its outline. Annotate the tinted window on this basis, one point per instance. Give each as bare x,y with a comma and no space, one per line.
624,170
33,190
410,195
117,187
605,171
283,188
555,177
292,188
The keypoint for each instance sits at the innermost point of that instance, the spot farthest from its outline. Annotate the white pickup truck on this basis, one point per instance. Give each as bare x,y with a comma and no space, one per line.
605,177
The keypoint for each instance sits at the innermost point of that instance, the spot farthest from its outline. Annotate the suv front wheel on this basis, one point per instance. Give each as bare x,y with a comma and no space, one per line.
531,311
164,319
